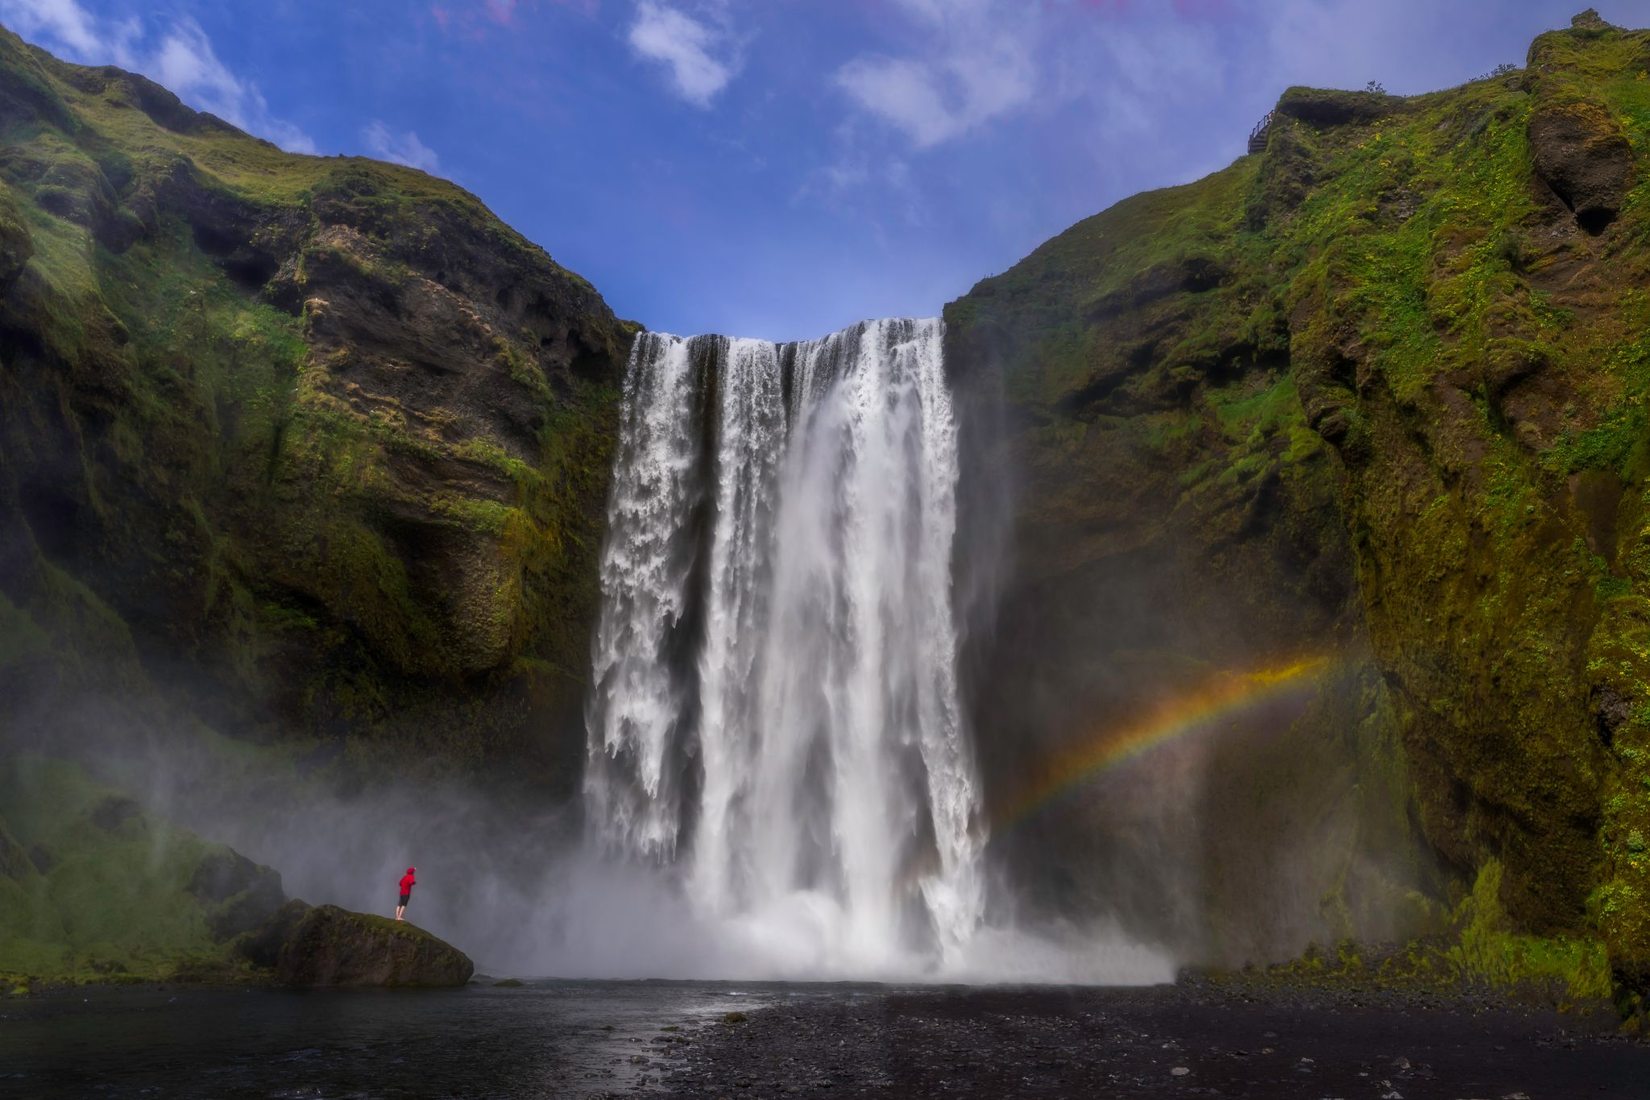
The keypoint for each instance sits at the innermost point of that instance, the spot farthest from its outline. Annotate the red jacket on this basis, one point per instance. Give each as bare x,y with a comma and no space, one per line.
408,882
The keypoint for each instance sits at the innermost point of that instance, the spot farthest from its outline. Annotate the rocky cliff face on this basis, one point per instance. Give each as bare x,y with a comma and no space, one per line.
1376,393
319,440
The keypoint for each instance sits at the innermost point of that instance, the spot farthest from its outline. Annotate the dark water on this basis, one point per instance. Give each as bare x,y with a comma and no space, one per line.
620,1039
547,1039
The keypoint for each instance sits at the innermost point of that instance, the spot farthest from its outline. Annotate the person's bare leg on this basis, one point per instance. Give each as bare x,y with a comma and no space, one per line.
399,909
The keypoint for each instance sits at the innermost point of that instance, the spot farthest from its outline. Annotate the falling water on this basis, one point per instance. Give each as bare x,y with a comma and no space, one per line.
775,717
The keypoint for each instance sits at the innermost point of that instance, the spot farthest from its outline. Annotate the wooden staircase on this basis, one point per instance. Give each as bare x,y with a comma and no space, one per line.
1258,136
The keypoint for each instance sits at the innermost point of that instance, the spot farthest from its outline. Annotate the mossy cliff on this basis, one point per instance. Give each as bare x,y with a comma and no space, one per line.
1377,392
320,439
93,888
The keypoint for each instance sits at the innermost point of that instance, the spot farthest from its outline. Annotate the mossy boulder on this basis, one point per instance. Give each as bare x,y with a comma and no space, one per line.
325,946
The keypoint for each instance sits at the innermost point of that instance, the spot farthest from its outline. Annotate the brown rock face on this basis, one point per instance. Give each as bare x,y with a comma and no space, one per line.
1582,154
329,946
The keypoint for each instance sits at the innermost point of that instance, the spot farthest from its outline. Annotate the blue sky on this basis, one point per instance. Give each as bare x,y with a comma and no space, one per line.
781,168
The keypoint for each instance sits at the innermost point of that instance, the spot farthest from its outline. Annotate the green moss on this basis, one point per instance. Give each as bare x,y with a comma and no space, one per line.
109,899
1487,949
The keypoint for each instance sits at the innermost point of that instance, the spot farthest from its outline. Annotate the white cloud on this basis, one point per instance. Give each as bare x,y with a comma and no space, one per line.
978,68
403,148
183,60
685,46
904,93
72,28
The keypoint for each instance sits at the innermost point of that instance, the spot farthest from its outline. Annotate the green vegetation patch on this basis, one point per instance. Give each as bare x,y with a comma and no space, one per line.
96,889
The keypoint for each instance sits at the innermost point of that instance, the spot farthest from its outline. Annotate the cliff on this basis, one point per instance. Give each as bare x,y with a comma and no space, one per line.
1376,393
319,447
319,442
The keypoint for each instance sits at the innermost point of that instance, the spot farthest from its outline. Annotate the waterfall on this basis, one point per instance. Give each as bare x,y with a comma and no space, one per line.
775,716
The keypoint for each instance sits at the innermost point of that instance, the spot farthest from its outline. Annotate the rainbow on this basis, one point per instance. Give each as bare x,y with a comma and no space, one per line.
1224,694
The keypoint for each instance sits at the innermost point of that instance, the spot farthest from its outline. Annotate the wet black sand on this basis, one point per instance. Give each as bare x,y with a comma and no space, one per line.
1183,1041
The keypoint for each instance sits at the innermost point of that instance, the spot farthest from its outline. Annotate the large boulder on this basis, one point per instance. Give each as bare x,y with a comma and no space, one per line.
325,946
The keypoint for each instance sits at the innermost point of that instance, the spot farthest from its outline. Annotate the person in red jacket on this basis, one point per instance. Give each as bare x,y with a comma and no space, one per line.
407,883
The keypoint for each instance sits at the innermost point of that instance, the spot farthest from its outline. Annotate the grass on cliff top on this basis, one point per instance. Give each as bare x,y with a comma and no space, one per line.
1414,237
1050,293
1580,62
1105,253
114,134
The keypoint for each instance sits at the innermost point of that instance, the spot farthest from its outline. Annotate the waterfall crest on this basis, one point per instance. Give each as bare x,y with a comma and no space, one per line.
775,713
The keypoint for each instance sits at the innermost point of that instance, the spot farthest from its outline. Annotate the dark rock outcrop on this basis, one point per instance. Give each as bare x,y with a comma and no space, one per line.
1327,107
325,946
1581,152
